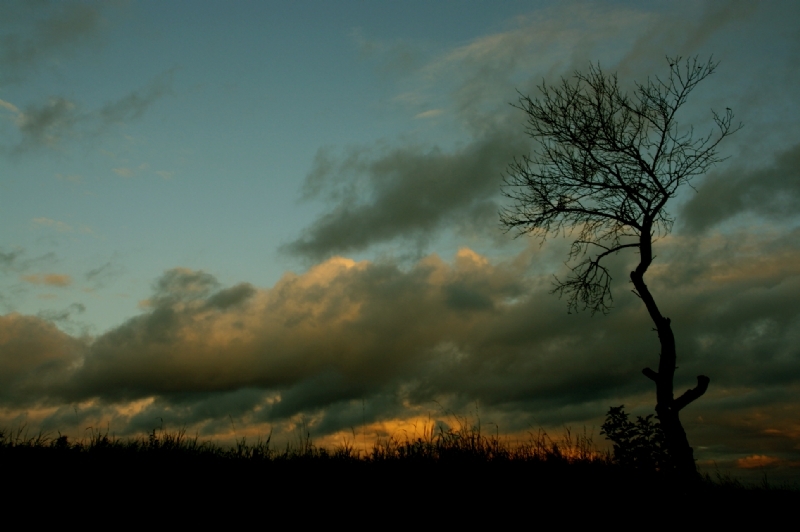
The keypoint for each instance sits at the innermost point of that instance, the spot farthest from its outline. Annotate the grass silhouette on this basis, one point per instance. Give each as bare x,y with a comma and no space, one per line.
466,444
451,466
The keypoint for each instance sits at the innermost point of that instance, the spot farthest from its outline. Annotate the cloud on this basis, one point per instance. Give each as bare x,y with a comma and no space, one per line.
61,227
9,258
772,192
681,35
136,103
233,296
430,113
10,107
47,124
34,357
101,275
62,315
324,332
123,172
14,261
398,57
127,172
759,461
181,284
57,120
50,279
37,34
33,32
406,192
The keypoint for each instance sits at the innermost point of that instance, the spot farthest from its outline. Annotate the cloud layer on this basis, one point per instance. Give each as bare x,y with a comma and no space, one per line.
771,192
354,342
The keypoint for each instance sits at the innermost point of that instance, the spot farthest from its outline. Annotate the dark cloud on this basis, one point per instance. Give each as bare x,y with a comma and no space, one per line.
35,358
211,414
317,393
232,296
101,275
8,259
58,120
681,35
772,192
464,297
98,272
47,124
33,32
62,315
137,102
16,262
404,193
180,284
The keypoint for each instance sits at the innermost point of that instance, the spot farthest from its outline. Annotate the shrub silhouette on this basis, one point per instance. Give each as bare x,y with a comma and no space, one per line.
640,444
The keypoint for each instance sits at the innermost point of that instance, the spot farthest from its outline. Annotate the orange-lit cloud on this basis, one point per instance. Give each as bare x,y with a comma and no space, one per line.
35,357
430,113
58,226
124,172
756,461
50,279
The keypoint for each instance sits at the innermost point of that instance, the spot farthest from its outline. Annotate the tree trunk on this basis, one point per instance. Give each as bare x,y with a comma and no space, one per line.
667,407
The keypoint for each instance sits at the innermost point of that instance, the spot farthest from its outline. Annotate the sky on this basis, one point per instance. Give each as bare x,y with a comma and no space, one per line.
254,218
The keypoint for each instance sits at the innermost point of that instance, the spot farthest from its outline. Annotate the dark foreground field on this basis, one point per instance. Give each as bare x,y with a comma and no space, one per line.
458,474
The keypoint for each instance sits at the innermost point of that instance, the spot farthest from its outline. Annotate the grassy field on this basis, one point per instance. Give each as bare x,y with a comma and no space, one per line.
461,467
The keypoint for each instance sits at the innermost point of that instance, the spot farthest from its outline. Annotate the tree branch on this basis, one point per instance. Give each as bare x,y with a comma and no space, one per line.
650,374
691,395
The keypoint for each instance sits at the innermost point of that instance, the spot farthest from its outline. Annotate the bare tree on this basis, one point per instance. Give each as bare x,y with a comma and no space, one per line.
604,167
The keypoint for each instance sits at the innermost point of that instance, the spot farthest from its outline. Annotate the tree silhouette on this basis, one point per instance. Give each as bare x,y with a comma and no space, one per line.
604,166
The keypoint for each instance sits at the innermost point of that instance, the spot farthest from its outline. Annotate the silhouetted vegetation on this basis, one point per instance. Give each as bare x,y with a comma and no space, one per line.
638,444
453,465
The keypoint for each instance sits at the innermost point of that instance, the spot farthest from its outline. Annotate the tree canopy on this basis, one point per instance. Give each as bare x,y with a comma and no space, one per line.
605,165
